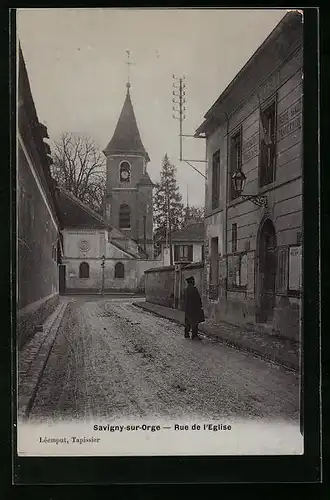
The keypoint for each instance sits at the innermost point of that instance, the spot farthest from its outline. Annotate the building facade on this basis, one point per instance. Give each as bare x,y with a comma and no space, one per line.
128,198
38,225
253,253
187,245
96,256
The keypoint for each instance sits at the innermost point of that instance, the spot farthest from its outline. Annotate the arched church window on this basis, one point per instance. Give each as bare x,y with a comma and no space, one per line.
125,172
84,270
124,217
119,270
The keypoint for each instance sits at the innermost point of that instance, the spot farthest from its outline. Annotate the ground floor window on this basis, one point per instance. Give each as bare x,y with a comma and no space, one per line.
119,270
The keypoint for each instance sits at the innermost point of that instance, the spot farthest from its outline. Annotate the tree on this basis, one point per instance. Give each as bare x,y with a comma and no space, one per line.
195,214
168,206
79,167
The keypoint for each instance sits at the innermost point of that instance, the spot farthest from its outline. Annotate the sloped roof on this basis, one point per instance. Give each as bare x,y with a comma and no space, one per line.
145,181
192,232
126,137
75,214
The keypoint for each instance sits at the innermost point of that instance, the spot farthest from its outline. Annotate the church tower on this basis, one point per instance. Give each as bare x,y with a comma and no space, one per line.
128,197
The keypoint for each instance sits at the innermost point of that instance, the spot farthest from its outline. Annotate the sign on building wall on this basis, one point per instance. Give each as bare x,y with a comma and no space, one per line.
290,120
222,270
234,271
295,268
244,270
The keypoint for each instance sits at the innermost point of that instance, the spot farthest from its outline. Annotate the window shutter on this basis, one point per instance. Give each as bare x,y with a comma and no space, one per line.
273,162
190,253
282,271
176,253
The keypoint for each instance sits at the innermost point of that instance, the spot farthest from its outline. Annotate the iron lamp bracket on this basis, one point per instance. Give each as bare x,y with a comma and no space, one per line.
261,201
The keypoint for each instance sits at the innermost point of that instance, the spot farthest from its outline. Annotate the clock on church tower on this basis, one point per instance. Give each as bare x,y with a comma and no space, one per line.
125,172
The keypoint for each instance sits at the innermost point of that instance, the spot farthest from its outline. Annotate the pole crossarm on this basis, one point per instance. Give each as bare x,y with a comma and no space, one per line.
261,201
196,161
179,110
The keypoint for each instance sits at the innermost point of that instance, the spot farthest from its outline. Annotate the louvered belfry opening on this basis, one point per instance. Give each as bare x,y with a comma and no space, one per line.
124,217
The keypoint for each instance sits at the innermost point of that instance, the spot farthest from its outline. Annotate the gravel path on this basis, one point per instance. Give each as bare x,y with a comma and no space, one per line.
112,359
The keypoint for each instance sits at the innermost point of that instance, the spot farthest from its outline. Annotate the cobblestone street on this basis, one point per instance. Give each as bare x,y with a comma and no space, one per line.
112,359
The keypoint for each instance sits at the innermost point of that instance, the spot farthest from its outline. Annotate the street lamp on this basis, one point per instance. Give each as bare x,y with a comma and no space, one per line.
102,265
238,180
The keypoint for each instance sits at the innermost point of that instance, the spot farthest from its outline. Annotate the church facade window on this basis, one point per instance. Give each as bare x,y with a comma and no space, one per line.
125,172
84,270
124,217
119,270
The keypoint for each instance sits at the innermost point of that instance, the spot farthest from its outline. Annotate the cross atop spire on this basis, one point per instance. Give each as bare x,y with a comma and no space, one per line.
129,63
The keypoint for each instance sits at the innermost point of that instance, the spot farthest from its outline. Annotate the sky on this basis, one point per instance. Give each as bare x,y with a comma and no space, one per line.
76,62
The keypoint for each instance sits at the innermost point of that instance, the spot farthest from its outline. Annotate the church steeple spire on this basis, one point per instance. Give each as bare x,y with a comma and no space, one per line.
126,138
128,196
129,63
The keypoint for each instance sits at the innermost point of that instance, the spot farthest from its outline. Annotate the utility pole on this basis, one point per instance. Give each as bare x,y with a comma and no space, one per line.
179,113
169,221
145,233
179,101
102,266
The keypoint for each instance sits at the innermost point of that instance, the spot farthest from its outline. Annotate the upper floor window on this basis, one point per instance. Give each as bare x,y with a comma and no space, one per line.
183,253
125,172
215,180
267,145
119,270
235,161
84,270
124,217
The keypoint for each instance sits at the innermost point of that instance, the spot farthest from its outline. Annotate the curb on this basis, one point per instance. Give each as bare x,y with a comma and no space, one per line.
233,345
33,359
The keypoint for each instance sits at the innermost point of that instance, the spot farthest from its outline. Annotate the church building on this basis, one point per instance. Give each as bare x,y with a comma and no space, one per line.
111,253
128,199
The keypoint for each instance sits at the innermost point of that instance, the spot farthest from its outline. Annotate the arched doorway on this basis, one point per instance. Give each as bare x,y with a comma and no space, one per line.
266,271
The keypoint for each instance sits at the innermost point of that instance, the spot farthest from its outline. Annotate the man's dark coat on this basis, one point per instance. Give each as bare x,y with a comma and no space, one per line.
193,304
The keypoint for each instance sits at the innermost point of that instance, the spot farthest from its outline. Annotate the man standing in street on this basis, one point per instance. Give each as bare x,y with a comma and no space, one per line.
193,309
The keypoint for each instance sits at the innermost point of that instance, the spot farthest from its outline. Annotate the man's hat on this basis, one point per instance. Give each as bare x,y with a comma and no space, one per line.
191,279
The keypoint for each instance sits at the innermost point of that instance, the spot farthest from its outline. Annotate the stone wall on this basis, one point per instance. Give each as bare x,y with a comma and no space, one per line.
159,286
165,285
37,237
38,227
196,270
33,315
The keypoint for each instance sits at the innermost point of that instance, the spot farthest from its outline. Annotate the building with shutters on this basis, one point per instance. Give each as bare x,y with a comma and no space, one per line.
253,254
187,245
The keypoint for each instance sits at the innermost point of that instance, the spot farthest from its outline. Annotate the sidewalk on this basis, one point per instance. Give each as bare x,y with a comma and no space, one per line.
280,351
32,359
